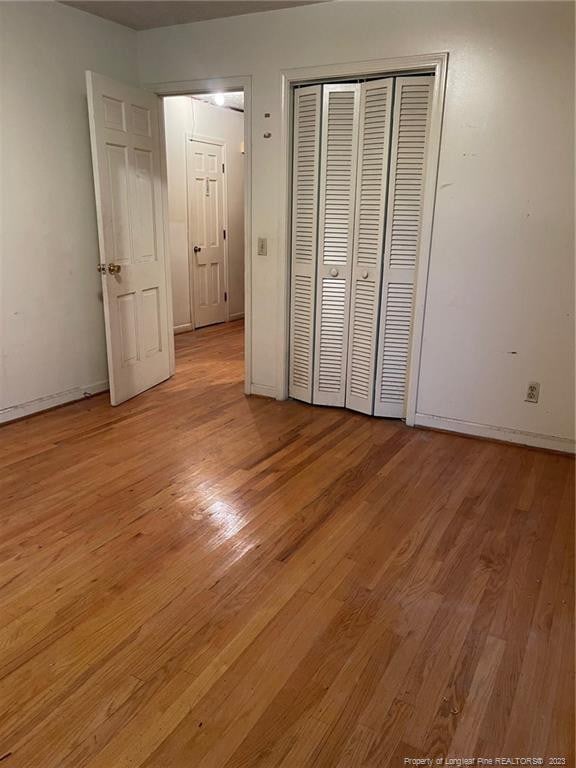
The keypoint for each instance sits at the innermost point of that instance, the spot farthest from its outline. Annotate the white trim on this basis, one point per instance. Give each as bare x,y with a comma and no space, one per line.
264,390
436,64
284,237
51,401
564,444
166,236
184,328
425,244
209,85
191,137
201,85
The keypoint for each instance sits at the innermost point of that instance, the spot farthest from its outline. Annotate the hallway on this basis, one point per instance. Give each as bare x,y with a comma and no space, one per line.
197,579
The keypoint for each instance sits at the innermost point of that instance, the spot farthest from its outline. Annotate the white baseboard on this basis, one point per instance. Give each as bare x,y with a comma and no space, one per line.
183,328
264,390
50,401
236,316
533,439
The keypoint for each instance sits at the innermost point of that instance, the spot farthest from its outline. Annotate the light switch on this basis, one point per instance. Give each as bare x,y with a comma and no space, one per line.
262,246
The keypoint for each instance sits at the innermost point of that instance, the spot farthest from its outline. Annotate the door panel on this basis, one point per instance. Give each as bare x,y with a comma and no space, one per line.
126,155
339,147
151,321
143,192
206,218
119,240
371,188
305,173
127,315
404,219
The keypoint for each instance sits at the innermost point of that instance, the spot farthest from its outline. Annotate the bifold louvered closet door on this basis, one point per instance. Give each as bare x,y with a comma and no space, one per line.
412,102
358,169
306,166
338,157
371,184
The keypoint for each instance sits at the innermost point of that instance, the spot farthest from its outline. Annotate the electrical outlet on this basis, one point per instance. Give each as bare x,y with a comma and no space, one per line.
262,246
533,392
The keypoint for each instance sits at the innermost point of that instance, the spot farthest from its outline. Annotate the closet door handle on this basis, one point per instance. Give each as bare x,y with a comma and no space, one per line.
334,272
365,274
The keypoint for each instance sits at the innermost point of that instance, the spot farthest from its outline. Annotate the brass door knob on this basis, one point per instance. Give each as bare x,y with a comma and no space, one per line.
114,269
197,249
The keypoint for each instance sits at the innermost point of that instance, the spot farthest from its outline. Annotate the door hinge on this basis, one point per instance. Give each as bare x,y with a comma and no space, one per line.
225,295
222,167
224,231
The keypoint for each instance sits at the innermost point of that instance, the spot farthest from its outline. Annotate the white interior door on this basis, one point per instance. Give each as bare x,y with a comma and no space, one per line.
410,129
339,150
206,232
126,156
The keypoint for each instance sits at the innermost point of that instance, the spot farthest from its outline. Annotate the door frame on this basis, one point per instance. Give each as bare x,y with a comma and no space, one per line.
166,234
190,137
210,85
436,64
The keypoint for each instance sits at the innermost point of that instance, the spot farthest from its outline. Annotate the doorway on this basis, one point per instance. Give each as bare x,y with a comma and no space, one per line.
129,142
206,207
434,65
359,163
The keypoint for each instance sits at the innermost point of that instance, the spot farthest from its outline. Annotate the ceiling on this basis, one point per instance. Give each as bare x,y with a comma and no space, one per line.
147,14
230,99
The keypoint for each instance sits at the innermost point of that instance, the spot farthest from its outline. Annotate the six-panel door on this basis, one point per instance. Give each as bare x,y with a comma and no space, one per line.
126,154
206,232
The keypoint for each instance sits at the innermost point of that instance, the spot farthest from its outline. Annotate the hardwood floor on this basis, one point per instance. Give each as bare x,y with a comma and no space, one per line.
196,579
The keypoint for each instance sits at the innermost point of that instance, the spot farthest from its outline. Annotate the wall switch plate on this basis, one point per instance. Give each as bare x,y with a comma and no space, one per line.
262,246
533,392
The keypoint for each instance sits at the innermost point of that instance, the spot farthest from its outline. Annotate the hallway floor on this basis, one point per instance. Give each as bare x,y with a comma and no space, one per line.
197,579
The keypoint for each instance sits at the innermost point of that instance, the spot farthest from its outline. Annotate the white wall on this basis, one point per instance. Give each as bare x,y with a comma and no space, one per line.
184,115
502,261
51,320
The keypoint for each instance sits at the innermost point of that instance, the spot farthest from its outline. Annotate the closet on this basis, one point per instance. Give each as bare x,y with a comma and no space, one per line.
359,156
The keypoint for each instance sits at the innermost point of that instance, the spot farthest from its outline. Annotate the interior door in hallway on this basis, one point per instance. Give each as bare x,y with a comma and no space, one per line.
126,157
206,228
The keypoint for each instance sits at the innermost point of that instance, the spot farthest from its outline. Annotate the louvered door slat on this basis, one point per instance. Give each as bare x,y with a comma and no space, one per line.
373,153
404,213
339,147
305,173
